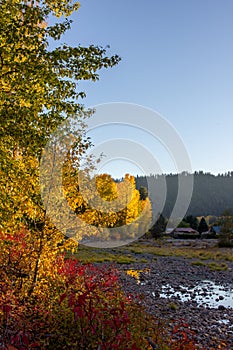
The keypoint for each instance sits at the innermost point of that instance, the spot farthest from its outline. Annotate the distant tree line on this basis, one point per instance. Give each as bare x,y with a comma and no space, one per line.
212,194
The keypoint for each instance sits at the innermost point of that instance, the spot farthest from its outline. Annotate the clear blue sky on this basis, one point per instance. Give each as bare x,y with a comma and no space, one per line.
177,58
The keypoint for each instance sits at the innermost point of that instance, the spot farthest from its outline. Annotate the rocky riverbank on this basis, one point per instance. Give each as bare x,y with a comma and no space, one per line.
173,290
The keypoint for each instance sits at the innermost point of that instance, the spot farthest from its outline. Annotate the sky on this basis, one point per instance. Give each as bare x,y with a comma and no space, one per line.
177,60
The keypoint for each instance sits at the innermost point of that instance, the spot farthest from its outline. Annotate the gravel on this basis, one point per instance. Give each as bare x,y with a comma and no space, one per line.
180,283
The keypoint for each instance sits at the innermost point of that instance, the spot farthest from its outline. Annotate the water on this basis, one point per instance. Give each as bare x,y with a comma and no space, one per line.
205,293
224,321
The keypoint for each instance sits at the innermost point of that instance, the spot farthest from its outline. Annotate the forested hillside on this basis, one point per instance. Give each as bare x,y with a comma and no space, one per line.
211,194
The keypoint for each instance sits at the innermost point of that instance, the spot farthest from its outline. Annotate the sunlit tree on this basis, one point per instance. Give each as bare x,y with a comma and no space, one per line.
38,91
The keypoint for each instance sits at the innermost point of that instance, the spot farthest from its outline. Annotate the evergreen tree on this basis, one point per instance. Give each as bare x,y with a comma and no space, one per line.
143,192
203,227
192,221
183,223
159,227
226,235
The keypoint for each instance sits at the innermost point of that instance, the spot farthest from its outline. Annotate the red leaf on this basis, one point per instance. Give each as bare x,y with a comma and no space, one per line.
62,297
7,309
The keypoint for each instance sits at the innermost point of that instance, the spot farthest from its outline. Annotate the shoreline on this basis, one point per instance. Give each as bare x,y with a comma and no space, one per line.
211,325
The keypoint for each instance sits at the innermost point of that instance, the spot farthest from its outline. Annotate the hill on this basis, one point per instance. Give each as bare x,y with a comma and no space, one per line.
212,194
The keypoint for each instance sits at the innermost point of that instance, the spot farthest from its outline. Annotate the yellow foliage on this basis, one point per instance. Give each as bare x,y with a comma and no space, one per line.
101,202
136,273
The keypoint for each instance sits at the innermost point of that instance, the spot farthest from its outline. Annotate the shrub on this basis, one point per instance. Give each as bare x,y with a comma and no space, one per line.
72,306
225,241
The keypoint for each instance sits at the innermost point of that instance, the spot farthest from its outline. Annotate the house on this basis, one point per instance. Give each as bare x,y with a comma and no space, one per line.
185,232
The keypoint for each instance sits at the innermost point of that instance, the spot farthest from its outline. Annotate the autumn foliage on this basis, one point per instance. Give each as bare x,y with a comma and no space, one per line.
46,300
71,306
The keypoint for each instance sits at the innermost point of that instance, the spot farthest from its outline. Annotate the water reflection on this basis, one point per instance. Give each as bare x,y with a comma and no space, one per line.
205,293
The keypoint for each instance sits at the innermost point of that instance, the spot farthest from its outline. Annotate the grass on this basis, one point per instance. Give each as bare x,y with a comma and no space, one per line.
134,253
94,255
214,266
124,260
217,267
211,253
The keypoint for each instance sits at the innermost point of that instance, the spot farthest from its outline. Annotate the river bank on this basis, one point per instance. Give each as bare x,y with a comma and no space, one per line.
173,289
189,280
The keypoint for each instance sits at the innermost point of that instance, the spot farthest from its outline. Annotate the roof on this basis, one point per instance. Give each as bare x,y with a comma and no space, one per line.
169,230
185,230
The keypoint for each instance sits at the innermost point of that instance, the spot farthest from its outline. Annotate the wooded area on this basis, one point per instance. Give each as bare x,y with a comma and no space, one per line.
212,194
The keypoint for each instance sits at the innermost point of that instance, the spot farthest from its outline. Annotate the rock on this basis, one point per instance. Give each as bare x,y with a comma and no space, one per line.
221,307
156,294
202,319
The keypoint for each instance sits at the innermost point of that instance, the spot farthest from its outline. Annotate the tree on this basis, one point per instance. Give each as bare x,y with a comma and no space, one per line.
211,193
227,213
192,221
226,233
202,227
38,91
143,192
159,227
110,205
